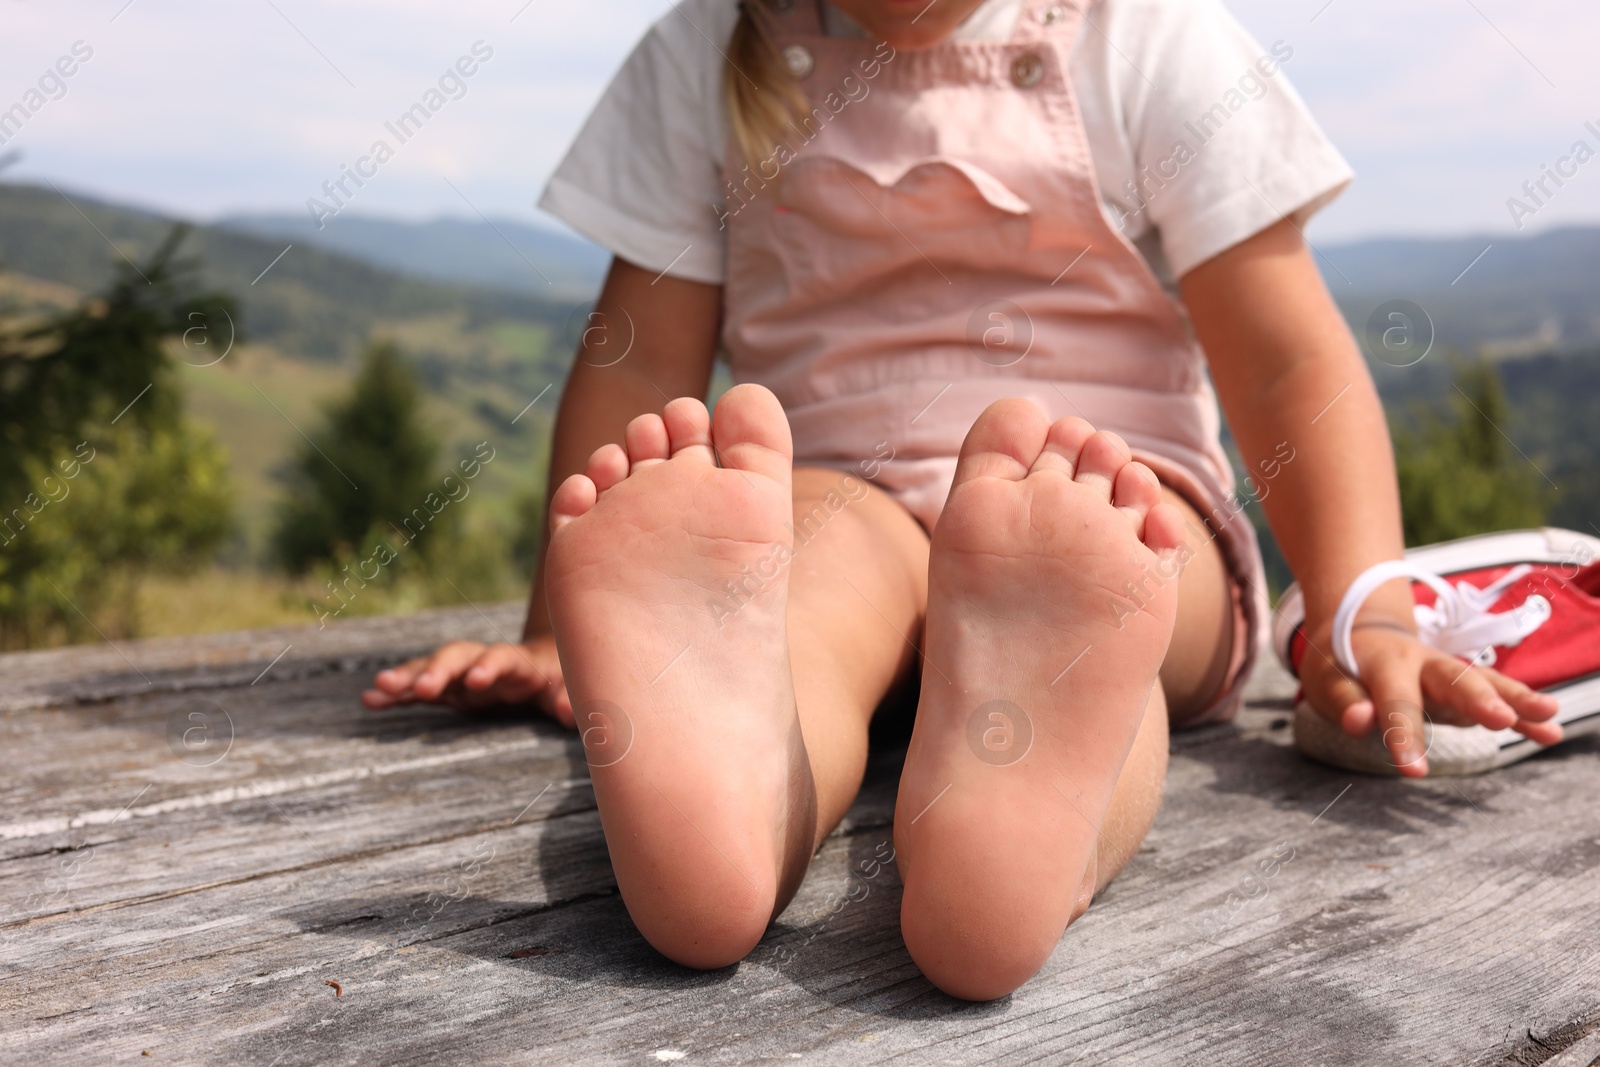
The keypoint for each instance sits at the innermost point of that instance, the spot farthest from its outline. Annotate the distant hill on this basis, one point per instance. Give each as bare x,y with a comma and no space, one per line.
501,253
484,354
310,302
1525,296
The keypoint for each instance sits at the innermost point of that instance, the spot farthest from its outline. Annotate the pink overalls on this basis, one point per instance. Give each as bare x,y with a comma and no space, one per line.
934,242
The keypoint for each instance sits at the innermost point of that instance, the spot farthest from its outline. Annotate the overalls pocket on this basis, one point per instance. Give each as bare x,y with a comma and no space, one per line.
837,225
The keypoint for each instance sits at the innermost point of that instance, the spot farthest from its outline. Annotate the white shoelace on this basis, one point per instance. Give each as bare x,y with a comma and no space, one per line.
1459,622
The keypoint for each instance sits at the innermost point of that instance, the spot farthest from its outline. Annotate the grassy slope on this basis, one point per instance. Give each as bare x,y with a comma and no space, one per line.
483,354
311,303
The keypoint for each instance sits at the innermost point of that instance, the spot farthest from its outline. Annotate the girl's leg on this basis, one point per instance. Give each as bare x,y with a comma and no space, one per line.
1039,750
1202,641
1191,677
726,629
845,661
858,588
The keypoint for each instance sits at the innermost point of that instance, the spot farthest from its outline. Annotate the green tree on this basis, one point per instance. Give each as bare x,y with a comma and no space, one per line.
143,503
102,479
370,466
1459,475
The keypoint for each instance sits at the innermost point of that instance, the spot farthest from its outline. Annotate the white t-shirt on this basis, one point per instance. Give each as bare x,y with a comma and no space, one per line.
644,177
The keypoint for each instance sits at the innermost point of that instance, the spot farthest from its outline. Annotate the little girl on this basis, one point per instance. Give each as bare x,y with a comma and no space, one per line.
969,261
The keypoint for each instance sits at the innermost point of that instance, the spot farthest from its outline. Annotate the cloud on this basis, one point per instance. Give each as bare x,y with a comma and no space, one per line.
1443,111
204,108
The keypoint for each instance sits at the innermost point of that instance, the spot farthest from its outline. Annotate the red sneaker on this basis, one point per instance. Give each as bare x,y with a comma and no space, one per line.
1525,602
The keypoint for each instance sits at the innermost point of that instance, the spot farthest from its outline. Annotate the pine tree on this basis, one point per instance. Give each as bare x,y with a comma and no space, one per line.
370,467
1460,475
102,479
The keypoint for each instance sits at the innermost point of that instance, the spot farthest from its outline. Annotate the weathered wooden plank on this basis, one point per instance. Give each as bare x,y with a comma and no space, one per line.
1109,994
1432,922
1585,1052
281,738
87,673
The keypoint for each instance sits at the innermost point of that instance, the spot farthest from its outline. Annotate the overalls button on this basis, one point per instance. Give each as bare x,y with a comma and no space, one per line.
1052,14
1027,71
798,59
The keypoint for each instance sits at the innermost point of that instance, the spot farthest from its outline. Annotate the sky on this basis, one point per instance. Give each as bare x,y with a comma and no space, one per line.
206,107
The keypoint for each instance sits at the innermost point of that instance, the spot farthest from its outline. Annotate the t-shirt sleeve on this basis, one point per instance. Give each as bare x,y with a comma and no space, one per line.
1224,146
643,177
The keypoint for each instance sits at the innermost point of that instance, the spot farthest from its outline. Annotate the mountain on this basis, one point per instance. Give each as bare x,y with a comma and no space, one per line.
486,353
1531,303
308,301
498,253
492,360
1505,296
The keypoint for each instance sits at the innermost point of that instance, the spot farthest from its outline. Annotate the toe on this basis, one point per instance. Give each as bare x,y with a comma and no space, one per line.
572,498
1101,460
1004,442
752,432
1164,530
607,466
1062,444
688,426
1134,492
647,441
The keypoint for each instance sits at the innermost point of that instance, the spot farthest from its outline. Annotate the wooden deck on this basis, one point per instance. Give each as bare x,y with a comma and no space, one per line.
196,901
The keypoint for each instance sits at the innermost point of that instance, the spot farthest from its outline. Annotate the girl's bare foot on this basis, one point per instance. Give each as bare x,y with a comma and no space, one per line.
1053,588
667,579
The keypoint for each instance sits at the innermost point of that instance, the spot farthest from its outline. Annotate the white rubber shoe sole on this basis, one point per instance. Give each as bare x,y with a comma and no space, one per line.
1452,750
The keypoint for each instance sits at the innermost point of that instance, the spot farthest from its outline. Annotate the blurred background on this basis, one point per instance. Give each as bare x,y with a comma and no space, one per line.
215,411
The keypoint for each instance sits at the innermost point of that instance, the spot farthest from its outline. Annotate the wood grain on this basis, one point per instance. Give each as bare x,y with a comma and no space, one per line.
449,873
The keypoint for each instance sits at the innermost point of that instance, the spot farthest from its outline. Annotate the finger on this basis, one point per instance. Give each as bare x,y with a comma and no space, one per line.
1541,733
445,666
1396,687
377,700
398,679
529,672
1484,697
1523,702
1463,688
495,664
1346,704
508,674
540,663
1528,703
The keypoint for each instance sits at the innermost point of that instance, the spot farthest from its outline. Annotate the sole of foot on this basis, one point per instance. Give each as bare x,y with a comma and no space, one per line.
1052,595
667,584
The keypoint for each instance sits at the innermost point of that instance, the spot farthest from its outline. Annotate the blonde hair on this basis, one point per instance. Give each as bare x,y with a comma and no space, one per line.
764,99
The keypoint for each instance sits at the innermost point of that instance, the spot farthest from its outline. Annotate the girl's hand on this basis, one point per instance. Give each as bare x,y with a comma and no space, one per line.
1403,680
467,675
